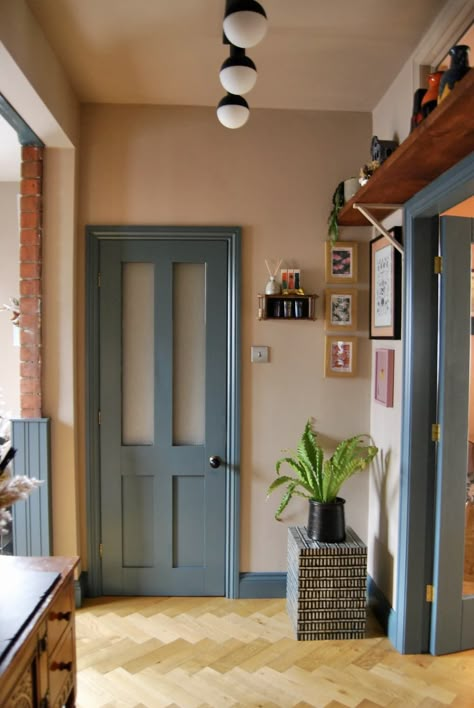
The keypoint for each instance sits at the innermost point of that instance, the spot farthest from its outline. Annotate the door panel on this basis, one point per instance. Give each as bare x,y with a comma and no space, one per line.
452,628
162,505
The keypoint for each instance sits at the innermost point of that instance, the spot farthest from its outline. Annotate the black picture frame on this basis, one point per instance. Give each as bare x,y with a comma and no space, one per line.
385,301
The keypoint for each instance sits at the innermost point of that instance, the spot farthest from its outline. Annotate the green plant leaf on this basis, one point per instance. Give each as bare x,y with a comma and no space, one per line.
316,478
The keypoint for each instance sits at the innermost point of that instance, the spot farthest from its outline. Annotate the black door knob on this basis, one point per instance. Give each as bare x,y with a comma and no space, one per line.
215,461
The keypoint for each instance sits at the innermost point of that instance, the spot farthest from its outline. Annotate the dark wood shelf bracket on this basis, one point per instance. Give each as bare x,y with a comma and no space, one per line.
364,209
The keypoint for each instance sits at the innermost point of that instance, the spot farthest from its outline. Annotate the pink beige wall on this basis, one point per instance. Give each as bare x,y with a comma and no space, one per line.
35,84
275,178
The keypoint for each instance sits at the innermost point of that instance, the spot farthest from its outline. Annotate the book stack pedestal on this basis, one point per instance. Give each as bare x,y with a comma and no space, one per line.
326,586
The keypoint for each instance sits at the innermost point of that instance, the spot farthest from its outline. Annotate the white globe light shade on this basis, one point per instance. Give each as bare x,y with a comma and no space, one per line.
245,25
233,111
238,75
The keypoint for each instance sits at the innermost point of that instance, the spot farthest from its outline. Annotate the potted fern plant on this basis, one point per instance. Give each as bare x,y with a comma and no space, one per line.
319,480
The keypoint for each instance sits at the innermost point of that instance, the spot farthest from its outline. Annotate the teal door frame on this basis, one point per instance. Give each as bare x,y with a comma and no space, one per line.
409,623
232,237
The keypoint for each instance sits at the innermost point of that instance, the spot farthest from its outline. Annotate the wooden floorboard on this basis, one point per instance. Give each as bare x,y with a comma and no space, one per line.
214,653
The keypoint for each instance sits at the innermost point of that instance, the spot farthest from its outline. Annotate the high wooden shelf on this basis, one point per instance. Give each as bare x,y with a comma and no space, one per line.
439,142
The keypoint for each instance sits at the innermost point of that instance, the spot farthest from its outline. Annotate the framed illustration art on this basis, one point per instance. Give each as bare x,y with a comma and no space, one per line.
340,356
384,360
341,262
385,287
341,309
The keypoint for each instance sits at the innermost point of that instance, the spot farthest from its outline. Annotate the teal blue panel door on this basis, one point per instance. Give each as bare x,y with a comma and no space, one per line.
163,398
452,618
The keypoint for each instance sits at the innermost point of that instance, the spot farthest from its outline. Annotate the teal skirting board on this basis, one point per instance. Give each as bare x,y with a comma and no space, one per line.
258,585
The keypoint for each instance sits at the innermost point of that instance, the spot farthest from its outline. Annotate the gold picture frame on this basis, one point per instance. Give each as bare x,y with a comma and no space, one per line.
341,262
341,309
340,356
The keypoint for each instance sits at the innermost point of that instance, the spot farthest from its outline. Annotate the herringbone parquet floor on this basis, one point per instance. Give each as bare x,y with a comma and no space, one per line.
200,652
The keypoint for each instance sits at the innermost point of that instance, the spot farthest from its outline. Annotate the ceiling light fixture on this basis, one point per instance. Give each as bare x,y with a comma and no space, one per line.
233,111
245,22
238,73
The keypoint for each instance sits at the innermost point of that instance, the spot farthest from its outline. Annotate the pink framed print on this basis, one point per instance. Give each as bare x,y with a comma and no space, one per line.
384,362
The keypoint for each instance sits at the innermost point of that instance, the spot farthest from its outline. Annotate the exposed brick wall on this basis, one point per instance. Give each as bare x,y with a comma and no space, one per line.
31,206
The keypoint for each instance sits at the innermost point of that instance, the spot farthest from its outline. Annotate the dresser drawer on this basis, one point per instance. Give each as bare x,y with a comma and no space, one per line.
60,616
61,670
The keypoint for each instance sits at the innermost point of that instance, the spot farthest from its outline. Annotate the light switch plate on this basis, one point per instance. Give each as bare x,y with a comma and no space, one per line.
259,355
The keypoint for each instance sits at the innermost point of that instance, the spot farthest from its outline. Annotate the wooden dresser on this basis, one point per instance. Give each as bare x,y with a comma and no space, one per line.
37,634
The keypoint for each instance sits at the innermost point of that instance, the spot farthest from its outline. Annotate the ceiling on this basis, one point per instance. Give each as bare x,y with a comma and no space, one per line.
317,55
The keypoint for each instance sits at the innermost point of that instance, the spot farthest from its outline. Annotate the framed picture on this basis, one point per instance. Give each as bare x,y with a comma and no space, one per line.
340,356
384,361
341,262
385,287
341,308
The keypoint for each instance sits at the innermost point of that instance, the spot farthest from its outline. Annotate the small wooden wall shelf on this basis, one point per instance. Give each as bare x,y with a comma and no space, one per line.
287,307
444,138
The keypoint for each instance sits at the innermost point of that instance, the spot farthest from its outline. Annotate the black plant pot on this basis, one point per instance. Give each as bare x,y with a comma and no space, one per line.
326,521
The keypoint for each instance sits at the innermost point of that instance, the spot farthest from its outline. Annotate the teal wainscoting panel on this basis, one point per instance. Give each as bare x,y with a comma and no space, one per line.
262,585
31,518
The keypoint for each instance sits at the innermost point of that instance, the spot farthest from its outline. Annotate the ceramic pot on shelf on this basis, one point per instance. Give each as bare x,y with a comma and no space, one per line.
430,99
417,115
457,70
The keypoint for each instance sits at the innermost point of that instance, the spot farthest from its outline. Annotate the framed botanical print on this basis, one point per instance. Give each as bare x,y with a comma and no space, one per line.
385,287
341,262
341,309
340,356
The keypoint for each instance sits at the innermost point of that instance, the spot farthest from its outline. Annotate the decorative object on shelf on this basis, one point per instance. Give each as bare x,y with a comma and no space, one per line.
294,306
341,309
320,480
367,170
381,149
458,68
273,286
351,186
430,99
384,366
341,262
245,24
340,358
385,287
337,204
417,113
291,280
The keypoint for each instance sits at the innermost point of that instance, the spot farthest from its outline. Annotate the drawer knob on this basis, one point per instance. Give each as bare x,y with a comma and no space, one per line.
60,616
61,666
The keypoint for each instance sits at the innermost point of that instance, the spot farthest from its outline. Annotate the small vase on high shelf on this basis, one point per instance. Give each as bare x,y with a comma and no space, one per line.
430,99
457,70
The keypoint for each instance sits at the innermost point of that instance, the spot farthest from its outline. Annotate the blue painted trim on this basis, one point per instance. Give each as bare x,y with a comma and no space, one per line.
411,624
25,135
262,585
232,236
382,609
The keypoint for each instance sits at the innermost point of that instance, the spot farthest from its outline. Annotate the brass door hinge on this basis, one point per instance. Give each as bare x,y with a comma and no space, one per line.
429,596
438,265
436,432
101,550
